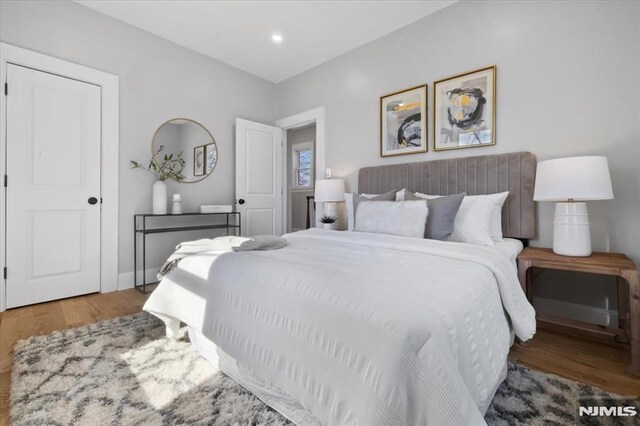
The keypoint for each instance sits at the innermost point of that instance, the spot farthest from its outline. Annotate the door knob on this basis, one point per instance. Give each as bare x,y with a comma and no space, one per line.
240,201
92,200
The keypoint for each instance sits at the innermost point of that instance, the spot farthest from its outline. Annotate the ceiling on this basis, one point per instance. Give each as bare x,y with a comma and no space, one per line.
239,32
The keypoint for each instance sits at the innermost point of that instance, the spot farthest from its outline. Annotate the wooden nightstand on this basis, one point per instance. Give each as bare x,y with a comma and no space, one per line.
616,264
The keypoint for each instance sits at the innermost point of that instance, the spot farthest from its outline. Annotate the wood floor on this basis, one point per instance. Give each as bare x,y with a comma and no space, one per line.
581,360
20,323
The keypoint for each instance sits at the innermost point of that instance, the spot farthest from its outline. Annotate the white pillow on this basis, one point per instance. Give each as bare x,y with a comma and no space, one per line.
404,218
348,203
496,219
479,219
473,221
401,197
427,196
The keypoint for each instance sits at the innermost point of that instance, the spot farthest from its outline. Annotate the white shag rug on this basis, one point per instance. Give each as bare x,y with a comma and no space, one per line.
126,372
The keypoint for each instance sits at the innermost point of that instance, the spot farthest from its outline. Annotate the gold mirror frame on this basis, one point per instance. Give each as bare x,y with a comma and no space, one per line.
213,141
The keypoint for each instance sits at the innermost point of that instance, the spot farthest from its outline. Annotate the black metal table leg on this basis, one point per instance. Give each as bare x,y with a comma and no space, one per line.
144,255
142,285
135,252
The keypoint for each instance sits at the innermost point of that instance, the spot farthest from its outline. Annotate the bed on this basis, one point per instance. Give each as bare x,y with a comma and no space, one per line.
363,328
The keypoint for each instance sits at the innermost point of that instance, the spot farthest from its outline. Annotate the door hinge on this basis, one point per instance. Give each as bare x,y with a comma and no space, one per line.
6,88
5,273
6,178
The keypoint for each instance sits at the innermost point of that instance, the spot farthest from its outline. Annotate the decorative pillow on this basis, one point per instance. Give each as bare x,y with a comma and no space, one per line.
442,214
477,218
352,201
404,218
496,218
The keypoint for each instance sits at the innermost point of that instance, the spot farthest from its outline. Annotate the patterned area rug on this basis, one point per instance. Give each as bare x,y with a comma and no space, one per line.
124,371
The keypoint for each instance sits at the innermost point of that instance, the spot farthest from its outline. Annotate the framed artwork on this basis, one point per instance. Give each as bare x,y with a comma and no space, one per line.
211,156
403,122
464,110
198,160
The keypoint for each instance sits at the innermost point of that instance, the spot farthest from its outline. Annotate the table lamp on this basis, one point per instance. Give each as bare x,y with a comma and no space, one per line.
329,192
572,181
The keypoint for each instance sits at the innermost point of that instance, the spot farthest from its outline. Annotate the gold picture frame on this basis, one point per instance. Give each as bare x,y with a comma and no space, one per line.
464,110
198,160
403,122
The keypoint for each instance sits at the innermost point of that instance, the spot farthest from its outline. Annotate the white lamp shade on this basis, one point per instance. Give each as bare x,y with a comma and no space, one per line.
329,190
575,178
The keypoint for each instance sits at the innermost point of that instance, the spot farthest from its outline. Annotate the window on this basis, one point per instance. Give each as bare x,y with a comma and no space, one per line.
302,154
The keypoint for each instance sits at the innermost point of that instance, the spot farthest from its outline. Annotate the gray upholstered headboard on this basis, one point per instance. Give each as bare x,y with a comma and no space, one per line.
486,174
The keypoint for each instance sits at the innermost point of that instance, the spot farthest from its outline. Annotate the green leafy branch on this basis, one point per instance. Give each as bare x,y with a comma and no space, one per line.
170,167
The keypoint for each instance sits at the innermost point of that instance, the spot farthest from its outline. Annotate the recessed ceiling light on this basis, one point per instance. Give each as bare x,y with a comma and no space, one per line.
276,38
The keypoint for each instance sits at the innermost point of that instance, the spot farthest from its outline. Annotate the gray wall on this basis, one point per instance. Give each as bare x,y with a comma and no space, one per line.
158,81
297,201
568,84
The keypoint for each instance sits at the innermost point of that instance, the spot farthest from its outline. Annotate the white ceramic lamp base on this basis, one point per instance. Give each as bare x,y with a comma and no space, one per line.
330,209
571,234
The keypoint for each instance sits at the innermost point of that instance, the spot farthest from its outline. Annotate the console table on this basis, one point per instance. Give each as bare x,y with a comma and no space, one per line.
154,228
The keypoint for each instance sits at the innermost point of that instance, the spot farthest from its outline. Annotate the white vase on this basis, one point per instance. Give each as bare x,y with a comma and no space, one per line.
159,198
327,225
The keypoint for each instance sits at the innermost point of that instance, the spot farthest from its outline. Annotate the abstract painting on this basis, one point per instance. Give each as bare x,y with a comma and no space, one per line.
403,122
464,110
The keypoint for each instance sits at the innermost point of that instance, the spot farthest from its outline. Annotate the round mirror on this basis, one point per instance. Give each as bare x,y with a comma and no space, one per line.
183,137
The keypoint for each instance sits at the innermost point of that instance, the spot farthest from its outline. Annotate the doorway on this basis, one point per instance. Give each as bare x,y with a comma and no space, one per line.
300,177
311,126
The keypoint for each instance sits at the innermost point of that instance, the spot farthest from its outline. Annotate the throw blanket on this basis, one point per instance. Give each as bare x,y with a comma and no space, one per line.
262,242
360,328
189,248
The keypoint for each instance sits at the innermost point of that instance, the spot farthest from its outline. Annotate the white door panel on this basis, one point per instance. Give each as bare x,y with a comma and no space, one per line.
53,168
259,177
45,230
260,221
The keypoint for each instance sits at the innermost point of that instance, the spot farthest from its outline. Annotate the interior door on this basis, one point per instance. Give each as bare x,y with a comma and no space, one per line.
259,177
53,187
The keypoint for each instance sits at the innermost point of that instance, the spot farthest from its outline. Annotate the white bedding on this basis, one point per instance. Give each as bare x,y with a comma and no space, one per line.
511,248
359,328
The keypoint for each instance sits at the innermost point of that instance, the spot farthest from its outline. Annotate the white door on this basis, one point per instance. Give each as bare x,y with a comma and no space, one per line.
259,177
53,187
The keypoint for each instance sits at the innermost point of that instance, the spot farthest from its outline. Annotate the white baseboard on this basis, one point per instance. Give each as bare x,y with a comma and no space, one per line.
125,279
575,311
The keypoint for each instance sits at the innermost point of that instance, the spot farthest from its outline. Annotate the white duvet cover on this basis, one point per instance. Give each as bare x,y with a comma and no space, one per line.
360,328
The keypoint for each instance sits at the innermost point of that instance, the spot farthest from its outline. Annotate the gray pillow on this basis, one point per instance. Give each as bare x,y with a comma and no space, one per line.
442,214
387,196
